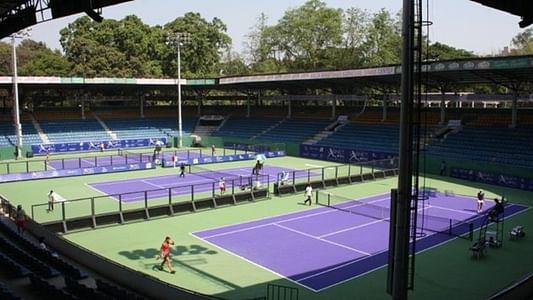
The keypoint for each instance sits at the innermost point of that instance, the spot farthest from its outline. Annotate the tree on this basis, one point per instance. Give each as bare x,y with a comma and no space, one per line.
201,57
439,51
383,43
307,32
5,59
36,59
522,43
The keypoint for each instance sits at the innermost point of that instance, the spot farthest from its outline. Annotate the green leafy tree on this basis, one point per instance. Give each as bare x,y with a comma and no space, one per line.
5,59
201,57
383,43
36,59
306,33
439,51
522,43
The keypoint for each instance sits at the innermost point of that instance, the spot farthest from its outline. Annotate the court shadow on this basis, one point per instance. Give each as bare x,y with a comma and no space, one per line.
178,250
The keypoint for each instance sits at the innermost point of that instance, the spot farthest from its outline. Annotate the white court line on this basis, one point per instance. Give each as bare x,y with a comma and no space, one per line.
328,211
351,228
253,263
384,265
152,184
314,166
454,210
319,239
91,162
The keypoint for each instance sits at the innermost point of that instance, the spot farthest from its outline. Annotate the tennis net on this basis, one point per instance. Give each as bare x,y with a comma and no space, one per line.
425,222
213,174
133,157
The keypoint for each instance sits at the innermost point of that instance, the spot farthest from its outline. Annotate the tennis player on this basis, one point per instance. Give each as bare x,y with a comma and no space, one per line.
480,201
51,200
308,194
165,254
182,170
222,185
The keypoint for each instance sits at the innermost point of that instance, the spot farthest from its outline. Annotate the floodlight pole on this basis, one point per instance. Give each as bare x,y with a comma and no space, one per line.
180,38
16,110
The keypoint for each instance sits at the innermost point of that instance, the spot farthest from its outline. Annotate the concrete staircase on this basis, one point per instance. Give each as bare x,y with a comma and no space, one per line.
201,130
39,130
268,129
325,133
104,125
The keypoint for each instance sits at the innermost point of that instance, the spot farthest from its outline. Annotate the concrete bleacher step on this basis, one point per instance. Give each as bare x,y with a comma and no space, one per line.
318,137
37,126
104,125
268,129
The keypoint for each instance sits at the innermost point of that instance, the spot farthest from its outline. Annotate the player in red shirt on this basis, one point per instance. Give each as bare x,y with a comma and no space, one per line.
165,254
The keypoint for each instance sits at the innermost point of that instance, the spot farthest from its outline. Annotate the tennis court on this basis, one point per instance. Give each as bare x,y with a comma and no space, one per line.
203,179
322,247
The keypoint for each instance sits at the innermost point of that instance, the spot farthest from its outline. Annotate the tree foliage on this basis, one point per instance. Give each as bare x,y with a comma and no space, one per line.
522,43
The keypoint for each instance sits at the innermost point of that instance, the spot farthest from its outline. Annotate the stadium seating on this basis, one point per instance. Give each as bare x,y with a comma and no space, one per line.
43,255
74,131
149,127
8,137
365,137
494,144
7,294
246,128
294,130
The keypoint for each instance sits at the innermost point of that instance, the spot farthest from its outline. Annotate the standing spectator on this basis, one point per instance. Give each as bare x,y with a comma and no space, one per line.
51,200
165,254
102,147
174,160
222,186
43,246
308,194
443,168
182,170
20,220
213,149
480,201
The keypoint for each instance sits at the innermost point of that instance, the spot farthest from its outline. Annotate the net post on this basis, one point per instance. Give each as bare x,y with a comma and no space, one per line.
96,161
471,231
27,166
8,171
201,153
308,175
93,217
120,208
323,170
329,199
293,178
111,160
32,214
188,155
62,164
450,228
45,166
337,174
193,203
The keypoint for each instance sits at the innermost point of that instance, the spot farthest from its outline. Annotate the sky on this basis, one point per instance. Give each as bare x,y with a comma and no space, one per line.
458,23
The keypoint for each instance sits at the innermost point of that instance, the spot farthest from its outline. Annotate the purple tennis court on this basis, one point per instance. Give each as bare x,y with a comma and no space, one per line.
322,247
133,189
129,158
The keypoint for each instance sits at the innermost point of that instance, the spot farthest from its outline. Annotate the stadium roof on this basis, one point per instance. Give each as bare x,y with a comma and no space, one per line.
509,71
494,70
16,15
522,8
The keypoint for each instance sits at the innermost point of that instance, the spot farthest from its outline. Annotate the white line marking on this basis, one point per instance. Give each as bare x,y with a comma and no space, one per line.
352,228
384,265
152,184
314,166
328,211
253,263
319,239
454,210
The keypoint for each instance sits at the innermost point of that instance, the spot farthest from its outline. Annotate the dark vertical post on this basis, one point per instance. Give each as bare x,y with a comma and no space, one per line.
401,238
